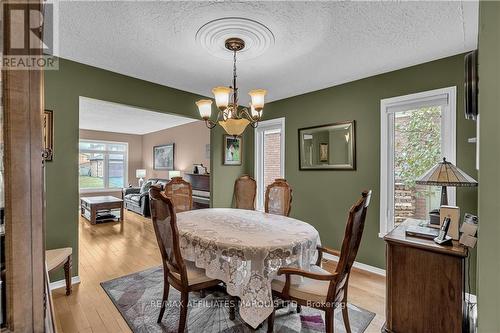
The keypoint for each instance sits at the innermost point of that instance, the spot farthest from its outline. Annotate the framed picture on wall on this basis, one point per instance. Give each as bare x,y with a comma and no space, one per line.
163,157
232,150
323,152
48,135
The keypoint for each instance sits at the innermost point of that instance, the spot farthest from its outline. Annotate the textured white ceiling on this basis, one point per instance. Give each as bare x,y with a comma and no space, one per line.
99,115
317,44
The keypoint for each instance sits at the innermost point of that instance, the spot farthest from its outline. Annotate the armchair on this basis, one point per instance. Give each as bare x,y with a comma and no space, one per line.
321,289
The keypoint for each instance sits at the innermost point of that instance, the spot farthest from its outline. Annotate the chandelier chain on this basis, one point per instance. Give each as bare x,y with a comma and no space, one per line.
235,89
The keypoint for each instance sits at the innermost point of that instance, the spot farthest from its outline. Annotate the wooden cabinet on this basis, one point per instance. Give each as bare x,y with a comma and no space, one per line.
425,284
201,189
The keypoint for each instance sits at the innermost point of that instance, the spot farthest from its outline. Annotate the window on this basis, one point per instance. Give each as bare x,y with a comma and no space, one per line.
417,131
102,165
269,155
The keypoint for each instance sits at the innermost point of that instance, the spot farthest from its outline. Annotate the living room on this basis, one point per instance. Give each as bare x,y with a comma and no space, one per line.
123,148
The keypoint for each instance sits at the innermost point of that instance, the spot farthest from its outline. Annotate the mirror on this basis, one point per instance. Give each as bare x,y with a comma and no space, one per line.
328,147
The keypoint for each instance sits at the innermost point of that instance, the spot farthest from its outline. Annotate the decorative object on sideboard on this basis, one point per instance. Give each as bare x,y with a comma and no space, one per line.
48,135
232,118
199,169
232,150
140,174
163,157
328,147
469,231
445,174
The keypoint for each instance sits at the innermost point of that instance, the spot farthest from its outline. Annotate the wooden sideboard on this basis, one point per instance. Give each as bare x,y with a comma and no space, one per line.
425,283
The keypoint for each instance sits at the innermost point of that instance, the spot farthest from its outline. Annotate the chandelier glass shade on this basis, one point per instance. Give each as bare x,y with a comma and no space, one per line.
231,117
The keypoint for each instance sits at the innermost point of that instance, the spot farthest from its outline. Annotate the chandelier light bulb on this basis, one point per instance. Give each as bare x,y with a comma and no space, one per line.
221,95
257,96
205,108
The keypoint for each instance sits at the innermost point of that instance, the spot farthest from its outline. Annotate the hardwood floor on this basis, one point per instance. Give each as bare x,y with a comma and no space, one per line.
110,250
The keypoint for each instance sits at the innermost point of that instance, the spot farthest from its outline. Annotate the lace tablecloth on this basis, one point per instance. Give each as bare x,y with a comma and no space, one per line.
245,249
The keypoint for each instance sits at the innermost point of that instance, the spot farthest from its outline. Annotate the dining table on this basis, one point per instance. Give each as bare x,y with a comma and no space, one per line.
245,249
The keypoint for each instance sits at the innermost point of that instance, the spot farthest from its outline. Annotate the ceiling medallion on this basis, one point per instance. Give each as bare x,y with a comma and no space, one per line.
213,35
231,117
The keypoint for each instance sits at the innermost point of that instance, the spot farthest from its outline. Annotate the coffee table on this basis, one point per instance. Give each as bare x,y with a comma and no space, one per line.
92,207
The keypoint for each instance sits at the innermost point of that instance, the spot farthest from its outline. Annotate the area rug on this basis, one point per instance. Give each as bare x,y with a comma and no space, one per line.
138,298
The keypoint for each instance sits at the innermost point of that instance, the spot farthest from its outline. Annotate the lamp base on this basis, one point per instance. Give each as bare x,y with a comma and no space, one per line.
141,181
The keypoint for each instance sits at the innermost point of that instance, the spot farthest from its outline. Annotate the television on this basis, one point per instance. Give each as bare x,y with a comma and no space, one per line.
471,85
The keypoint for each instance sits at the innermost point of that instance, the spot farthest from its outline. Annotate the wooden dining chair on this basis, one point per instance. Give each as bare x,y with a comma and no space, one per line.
245,190
178,273
278,198
180,193
320,289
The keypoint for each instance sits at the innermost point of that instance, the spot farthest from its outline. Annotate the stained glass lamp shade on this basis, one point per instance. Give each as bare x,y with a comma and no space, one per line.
446,174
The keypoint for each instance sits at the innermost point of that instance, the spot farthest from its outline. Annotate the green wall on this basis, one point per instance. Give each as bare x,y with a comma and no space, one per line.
62,90
223,177
320,197
489,223
323,198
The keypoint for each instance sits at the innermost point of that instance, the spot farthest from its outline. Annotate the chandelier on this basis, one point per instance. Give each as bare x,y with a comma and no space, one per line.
232,118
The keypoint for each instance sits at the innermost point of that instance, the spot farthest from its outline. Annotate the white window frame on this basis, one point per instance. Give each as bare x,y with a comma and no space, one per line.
448,139
258,153
106,153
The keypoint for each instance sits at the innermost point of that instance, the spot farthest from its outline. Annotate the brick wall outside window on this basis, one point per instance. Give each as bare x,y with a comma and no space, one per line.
272,157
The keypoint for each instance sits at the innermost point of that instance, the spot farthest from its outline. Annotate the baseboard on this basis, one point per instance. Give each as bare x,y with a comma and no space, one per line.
62,283
358,265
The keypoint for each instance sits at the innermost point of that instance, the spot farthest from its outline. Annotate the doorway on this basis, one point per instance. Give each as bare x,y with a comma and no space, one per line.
269,155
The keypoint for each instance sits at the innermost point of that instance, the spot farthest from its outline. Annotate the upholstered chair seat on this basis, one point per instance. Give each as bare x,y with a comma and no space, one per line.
310,289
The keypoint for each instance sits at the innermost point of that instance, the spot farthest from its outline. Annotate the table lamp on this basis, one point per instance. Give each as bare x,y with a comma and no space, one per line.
445,174
140,173
174,173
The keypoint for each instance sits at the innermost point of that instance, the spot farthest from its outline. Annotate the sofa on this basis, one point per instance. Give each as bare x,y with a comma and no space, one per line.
136,199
